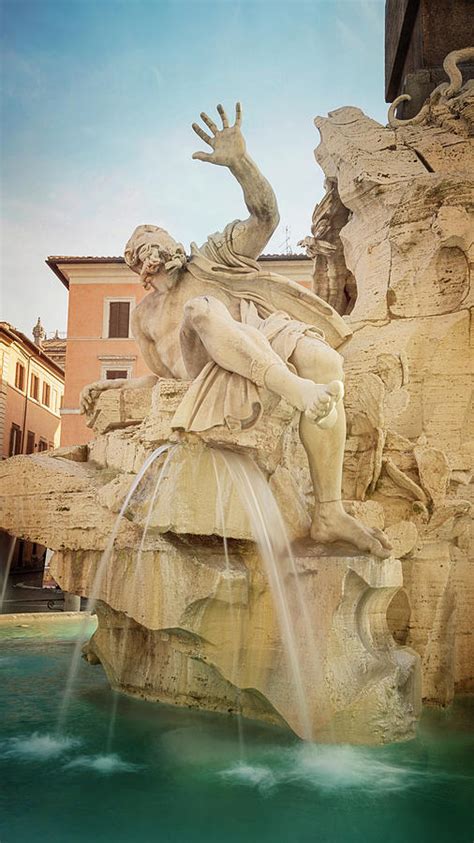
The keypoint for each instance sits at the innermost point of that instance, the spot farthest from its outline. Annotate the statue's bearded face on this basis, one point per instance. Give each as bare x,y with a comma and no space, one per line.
154,255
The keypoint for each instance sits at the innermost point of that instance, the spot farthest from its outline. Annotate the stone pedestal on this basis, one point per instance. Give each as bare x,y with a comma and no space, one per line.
181,626
180,623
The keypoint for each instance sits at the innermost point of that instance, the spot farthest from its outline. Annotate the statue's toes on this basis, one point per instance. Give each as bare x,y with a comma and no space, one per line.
376,548
382,538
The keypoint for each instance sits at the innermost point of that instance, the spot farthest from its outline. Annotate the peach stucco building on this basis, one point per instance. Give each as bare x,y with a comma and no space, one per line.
31,392
102,294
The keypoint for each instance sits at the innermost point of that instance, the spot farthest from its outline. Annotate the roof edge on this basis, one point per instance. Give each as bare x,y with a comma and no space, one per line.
19,336
53,261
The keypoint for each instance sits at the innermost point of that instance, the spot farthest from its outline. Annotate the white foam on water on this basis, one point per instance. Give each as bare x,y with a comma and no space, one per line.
255,775
37,747
327,769
338,767
104,764
97,583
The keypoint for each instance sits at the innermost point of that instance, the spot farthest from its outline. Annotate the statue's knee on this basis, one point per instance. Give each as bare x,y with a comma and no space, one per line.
200,310
322,364
334,364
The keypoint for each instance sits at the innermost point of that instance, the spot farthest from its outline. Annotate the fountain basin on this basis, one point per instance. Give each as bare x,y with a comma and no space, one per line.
179,621
191,777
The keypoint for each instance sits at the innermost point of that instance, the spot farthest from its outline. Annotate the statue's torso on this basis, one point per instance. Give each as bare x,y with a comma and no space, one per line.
157,320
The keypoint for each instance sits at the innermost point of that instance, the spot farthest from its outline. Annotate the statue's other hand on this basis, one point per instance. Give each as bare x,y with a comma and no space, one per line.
89,396
228,143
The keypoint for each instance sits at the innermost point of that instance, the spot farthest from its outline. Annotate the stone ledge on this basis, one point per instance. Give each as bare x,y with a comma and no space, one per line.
216,628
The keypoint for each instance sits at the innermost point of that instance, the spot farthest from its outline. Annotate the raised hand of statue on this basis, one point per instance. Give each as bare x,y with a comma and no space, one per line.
228,143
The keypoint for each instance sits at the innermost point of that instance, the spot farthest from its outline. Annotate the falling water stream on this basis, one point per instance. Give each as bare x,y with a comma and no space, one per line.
97,584
122,650
234,612
271,538
11,551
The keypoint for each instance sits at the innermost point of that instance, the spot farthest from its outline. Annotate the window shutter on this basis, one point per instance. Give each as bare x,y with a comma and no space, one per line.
34,387
124,313
46,394
19,376
15,440
11,448
30,442
114,374
119,316
113,318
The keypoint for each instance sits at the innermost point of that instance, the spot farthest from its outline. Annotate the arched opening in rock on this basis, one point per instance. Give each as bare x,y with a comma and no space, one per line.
398,616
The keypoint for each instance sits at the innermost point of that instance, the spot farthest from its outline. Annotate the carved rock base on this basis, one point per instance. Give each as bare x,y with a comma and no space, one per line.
193,631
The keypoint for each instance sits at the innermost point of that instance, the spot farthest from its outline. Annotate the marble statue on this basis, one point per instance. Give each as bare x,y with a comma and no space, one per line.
199,601
245,336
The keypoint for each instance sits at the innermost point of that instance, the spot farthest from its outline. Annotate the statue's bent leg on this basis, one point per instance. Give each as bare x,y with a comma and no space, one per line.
210,332
325,451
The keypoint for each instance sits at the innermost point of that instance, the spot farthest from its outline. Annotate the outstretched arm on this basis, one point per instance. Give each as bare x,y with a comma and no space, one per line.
229,150
92,391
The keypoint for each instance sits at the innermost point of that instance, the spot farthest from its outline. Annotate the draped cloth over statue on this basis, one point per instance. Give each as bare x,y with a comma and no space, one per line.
282,310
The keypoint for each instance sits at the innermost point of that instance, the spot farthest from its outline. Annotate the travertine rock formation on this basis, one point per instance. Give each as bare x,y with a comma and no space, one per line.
178,621
408,243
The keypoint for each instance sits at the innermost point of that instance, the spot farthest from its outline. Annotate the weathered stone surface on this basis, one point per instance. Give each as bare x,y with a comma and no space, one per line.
118,409
204,629
408,243
54,501
403,537
195,630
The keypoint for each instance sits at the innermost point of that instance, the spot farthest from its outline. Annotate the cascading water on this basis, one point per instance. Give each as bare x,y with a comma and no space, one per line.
238,637
270,535
97,584
3,592
138,562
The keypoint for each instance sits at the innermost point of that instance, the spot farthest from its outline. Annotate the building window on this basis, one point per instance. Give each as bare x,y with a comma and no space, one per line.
54,405
46,394
20,376
42,445
30,442
15,440
116,366
34,387
113,374
119,319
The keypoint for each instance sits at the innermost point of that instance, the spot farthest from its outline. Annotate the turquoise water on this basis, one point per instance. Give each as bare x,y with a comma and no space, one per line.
178,776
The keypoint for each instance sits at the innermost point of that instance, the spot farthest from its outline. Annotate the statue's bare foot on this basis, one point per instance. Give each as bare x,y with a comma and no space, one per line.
333,524
319,400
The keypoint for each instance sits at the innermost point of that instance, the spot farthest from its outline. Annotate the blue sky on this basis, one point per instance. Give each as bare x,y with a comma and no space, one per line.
98,97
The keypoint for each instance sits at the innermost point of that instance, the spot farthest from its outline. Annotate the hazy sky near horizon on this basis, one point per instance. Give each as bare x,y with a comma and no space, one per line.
98,97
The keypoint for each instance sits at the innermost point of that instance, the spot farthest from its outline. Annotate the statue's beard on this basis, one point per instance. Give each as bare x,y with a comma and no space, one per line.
160,270
152,282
